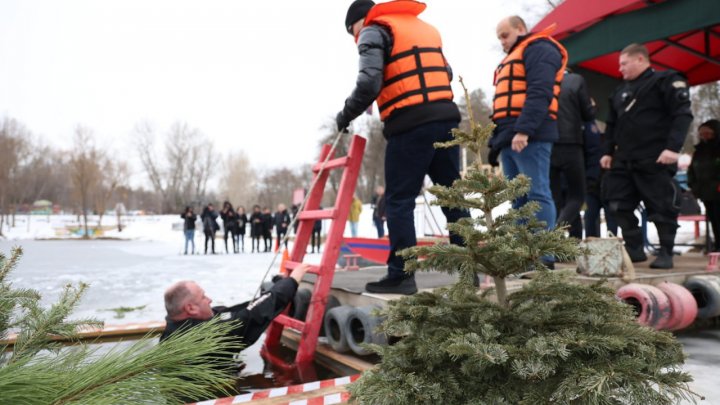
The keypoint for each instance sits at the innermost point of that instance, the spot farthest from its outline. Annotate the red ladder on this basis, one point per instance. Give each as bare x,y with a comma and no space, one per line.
310,329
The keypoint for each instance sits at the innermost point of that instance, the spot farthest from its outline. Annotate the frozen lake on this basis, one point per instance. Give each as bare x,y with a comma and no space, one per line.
136,273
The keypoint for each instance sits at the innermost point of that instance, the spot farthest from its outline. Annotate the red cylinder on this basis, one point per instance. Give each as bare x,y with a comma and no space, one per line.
651,305
683,307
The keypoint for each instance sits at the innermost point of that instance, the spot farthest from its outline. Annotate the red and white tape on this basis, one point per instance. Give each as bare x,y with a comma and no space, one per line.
335,398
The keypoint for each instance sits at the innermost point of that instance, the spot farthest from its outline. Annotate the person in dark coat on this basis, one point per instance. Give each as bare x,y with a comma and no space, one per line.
525,108
187,306
242,221
316,239
415,101
229,219
379,211
256,227
210,226
267,222
281,219
567,157
704,174
189,219
650,114
593,179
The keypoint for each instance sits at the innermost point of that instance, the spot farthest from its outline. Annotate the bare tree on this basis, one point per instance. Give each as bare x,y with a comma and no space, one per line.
238,183
114,174
14,150
277,185
188,164
705,106
373,168
86,173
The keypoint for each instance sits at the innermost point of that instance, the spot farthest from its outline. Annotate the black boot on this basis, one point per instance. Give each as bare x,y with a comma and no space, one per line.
664,259
403,285
634,245
666,234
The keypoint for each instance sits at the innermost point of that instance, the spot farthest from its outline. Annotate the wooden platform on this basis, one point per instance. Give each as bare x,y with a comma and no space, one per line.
349,286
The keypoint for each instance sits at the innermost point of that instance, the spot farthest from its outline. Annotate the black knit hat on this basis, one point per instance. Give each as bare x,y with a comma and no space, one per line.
357,11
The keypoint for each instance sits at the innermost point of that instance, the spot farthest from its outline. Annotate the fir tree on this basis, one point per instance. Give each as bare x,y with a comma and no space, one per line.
37,371
552,342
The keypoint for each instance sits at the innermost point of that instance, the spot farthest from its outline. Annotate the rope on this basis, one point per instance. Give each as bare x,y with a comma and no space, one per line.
302,206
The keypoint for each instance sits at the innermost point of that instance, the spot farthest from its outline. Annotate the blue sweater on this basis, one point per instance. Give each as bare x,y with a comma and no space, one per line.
542,61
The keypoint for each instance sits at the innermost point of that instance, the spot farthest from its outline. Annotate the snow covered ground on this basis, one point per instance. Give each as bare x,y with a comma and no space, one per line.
134,272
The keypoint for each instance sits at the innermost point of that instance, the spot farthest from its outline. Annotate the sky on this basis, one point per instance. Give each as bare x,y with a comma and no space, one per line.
256,76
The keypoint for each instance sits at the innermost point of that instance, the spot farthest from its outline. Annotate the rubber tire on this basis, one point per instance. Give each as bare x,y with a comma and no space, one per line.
652,306
360,328
335,328
683,307
300,304
706,291
332,302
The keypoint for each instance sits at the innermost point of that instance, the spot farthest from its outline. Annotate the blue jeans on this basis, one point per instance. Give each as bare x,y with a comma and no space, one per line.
353,229
410,156
534,162
190,237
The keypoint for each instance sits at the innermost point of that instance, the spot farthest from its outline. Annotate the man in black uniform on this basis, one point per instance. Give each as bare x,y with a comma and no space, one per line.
649,119
567,160
188,306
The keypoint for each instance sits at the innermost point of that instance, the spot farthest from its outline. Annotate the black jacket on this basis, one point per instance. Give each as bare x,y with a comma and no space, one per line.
242,221
281,221
256,224
267,223
229,219
574,108
210,224
253,316
648,115
189,224
542,61
374,46
704,171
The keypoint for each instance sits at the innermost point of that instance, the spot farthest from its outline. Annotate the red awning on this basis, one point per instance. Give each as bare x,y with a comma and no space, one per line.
694,52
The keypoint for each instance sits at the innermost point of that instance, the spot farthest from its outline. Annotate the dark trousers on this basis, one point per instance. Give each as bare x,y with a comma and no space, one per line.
629,182
567,181
281,232
380,226
712,210
315,240
408,158
592,216
209,237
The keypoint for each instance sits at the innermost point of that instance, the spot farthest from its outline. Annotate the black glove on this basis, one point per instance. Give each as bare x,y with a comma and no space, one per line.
342,122
493,157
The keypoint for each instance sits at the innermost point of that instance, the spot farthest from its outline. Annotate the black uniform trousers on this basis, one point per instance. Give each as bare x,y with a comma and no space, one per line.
567,165
629,182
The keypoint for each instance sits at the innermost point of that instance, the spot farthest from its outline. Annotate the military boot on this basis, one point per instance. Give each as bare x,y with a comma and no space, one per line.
634,245
664,259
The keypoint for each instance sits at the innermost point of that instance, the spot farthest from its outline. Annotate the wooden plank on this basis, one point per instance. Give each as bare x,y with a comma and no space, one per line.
106,333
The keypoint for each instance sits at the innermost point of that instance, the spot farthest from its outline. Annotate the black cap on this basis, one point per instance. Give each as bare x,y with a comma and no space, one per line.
357,11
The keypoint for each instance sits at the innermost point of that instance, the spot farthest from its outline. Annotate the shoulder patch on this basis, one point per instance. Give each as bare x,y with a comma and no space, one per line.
225,316
679,84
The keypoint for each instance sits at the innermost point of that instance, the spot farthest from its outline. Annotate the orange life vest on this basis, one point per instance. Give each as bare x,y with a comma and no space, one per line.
416,71
510,83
